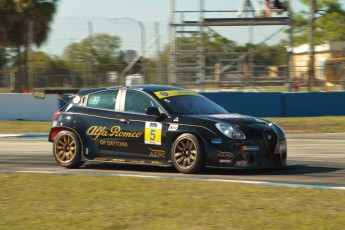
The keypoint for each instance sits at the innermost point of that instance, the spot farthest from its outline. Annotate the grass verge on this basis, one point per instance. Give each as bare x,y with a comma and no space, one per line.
16,127
40,201
327,124
37,201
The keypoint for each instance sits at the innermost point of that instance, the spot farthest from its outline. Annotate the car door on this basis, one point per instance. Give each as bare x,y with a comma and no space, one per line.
142,137
97,122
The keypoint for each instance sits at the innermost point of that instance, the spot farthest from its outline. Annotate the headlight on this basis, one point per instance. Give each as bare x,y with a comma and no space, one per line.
231,131
279,130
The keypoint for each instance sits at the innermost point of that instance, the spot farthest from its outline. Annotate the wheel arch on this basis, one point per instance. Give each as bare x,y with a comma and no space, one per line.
55,130
201,140
71,144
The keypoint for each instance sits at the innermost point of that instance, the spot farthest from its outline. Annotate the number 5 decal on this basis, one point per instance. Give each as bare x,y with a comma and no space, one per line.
153,133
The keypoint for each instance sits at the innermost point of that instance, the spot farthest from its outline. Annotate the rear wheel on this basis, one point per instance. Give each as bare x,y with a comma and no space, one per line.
187,154
67,150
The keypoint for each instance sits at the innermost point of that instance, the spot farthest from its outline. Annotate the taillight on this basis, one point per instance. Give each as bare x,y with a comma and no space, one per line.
56,114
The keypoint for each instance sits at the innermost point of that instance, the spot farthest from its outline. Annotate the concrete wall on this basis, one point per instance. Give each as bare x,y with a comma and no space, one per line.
282,104
314,104
254,104
26,107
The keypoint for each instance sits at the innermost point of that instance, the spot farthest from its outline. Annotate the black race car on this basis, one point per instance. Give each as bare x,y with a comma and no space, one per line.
163,126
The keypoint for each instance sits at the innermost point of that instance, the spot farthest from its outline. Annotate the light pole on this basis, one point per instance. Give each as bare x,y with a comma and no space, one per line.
142,31
311,74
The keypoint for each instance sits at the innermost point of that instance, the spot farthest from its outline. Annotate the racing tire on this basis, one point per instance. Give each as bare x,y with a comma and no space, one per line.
187,154
67,149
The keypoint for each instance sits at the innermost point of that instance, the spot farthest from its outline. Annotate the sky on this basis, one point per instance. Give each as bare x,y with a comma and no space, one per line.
78,19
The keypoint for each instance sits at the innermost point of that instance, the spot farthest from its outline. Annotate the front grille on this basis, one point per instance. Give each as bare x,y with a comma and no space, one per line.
270,139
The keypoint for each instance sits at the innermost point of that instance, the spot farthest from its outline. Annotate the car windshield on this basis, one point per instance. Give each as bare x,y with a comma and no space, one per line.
191,104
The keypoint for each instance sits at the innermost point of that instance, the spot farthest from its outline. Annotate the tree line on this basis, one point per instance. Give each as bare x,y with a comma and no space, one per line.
28,22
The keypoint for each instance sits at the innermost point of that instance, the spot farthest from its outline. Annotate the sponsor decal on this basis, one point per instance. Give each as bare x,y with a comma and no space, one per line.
216,140
137,162
157,153
116,160
55,123
153,125
93,100
39,94
225,157
76,100
173,127
241,163
225,154
153,133
251,148
225,161
174,93
113,143
164,94
115,131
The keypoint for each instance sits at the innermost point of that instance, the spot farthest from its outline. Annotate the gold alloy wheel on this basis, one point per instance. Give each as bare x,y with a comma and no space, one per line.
65,148
185,153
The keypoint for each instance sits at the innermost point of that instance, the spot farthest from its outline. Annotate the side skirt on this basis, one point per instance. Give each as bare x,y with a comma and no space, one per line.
128,161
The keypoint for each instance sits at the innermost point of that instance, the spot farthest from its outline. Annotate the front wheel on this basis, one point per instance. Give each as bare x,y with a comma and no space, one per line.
67,150
187,154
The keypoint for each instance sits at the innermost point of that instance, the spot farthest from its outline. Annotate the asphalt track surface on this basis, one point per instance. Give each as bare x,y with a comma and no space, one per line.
319,159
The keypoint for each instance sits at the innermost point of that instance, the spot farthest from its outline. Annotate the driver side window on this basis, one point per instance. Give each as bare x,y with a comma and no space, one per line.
138,102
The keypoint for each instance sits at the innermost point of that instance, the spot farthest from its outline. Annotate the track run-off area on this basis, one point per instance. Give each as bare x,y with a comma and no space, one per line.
318,161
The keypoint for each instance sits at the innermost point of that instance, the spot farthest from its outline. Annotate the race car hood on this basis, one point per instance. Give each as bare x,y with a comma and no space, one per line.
233,118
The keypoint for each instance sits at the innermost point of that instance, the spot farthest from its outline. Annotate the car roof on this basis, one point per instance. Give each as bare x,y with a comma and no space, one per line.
147,88
153,88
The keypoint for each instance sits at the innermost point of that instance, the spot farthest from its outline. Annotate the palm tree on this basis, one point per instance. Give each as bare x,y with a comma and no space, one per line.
23,22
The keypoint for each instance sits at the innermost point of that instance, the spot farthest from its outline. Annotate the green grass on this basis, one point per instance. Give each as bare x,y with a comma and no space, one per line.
327,124
290,125
15,127
37,201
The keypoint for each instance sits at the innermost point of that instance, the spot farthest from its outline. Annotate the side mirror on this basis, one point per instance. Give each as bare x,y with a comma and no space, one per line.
153,111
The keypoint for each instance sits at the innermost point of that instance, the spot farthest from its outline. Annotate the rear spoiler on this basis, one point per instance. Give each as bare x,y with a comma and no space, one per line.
41,93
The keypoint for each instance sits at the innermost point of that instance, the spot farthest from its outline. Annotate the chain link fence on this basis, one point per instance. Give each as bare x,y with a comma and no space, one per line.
219,76
232,71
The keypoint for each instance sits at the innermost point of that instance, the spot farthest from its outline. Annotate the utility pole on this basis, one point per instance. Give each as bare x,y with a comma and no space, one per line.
291,53
311,75
159,78
90,72
29,59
